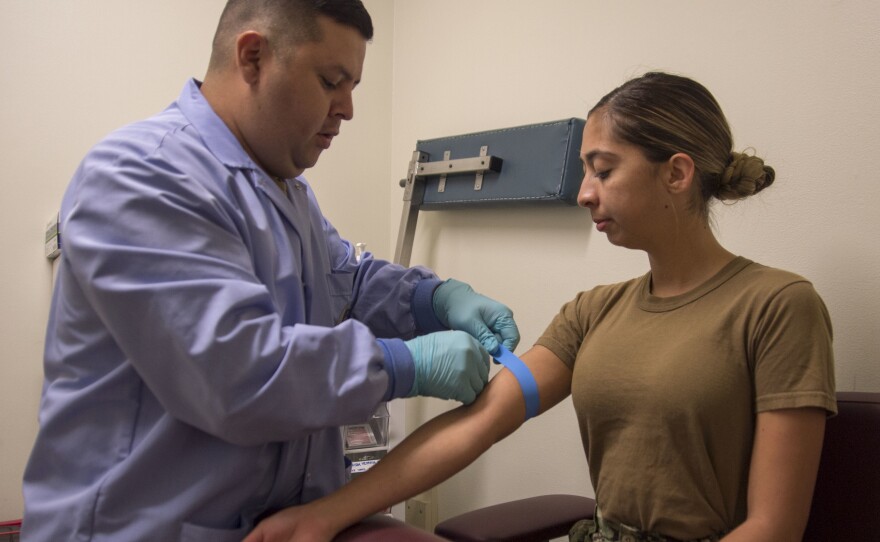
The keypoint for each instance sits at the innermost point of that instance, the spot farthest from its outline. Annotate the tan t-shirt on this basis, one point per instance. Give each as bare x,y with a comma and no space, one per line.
666,389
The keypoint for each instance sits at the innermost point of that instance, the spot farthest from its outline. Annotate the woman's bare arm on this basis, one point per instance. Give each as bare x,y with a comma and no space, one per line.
430,455
785,460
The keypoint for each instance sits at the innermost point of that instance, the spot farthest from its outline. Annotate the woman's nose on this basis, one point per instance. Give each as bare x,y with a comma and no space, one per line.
587,194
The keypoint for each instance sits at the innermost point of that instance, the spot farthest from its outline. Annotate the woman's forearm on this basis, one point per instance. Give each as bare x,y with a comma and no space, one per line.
446,444
754,531
430,455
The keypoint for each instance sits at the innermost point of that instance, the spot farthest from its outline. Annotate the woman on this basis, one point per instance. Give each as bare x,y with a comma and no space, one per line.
701,388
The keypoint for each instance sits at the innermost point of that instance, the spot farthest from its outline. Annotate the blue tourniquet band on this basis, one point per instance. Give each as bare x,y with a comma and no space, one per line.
523,375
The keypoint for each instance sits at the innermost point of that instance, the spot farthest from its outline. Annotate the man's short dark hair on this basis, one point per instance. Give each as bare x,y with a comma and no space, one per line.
348,12
286,22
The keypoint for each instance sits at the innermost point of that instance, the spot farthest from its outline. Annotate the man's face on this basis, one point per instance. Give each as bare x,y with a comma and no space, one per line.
301,100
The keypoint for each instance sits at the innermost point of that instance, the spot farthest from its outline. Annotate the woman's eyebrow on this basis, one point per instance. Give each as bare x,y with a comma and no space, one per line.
588,158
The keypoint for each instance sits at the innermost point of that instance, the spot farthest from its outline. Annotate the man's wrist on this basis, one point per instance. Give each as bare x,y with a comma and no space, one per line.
400,367
422,306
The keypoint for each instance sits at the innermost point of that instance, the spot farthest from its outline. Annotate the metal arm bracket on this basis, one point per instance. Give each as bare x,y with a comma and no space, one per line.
414,189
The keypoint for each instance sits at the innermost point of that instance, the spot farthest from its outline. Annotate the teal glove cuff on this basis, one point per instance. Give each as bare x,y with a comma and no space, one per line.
442,296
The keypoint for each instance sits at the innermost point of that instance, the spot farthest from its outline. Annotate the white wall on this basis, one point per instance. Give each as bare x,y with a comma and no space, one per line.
76,70
799,81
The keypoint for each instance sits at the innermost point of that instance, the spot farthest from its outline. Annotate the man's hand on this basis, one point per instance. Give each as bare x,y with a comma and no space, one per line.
294,524
449,365
458,306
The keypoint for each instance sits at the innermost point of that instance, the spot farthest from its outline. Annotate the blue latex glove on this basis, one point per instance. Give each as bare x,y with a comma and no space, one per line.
458,306
448,365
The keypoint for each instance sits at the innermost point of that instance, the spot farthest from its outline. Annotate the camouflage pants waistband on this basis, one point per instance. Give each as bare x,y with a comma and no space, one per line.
600,529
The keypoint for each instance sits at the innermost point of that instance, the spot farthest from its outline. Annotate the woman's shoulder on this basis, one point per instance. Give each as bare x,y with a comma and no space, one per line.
766,277
773,287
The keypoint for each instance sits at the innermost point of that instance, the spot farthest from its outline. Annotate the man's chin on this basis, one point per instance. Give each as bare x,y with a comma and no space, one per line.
303,165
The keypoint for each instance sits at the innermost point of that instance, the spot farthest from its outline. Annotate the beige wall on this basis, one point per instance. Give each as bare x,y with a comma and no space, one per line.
796,79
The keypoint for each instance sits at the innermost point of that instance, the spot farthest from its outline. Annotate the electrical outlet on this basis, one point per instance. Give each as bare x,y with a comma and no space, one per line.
421,510
417,513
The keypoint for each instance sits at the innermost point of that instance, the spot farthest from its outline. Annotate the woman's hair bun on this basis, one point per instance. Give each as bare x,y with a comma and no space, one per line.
744,175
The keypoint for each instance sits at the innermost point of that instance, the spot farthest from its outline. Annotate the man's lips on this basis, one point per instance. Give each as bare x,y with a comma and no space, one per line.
325,138
601,224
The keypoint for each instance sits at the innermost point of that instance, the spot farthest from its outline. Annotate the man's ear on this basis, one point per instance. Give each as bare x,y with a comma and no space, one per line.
681,172
251,51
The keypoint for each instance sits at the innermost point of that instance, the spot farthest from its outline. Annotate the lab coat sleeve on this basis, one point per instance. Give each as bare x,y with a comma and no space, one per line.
392,300
164,265
400,367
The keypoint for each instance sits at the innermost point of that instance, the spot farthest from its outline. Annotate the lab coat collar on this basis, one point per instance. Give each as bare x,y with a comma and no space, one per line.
217,136
225,146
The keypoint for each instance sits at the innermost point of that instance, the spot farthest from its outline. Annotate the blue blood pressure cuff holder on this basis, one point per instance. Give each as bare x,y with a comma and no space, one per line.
527,382
521,165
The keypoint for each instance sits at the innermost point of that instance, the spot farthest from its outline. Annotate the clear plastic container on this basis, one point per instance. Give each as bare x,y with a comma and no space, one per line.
372,434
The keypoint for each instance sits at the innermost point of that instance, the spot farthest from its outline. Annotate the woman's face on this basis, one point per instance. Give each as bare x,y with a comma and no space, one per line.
624,191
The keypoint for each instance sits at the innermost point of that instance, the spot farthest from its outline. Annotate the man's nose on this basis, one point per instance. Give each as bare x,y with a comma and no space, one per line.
343,106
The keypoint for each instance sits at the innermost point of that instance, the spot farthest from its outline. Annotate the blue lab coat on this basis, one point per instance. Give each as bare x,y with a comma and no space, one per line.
208,336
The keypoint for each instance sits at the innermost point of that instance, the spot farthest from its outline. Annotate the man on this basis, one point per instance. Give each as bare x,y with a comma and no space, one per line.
210,331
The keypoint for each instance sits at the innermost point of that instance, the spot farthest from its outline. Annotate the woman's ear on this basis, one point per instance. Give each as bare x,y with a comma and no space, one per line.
681,172
251,52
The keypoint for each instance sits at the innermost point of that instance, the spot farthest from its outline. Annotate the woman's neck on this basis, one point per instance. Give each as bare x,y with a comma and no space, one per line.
685,265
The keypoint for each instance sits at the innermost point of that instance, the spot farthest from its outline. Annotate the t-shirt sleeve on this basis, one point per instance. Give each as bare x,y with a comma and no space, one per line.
567,330
794,359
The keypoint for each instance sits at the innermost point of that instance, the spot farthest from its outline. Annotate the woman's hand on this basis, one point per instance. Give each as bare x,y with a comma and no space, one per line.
294,524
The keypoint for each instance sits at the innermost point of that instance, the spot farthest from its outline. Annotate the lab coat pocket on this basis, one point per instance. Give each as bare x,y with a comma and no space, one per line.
191,532
340,286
